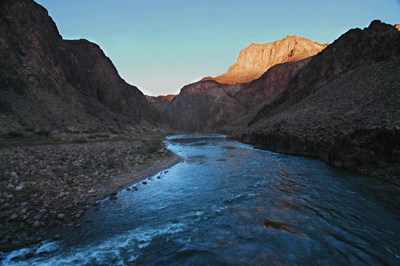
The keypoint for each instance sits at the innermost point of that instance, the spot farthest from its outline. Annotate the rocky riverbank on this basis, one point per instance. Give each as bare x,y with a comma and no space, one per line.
351,123
47,186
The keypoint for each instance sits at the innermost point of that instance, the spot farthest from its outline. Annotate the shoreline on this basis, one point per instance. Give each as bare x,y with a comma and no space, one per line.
132,177
124,181
47,190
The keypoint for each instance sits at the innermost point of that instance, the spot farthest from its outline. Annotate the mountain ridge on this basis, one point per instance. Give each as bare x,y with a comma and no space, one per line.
256,59
42,76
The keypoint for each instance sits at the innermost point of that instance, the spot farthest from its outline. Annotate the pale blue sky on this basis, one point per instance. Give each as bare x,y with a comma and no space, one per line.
160,46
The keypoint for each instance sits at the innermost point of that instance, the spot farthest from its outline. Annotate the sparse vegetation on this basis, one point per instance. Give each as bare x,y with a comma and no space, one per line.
43,132
79,140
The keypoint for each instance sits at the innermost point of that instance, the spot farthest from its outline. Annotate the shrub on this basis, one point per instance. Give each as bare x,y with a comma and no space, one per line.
43,132
151,147
14,134
79,140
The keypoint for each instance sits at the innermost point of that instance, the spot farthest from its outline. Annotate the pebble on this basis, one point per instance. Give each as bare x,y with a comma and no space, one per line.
5,206
36,224
19,188
13,174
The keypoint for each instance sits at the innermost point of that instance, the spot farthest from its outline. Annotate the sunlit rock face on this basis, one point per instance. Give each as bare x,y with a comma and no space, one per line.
54,83
256,59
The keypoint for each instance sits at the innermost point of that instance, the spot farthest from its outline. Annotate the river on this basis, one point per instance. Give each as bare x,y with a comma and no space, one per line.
230,204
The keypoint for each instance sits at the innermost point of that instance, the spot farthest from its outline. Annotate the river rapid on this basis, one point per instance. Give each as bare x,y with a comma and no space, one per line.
230,204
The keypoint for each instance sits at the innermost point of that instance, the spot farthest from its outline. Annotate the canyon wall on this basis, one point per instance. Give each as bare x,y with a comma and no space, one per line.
50,83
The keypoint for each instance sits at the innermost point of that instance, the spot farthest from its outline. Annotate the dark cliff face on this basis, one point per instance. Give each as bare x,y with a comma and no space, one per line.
377,43
342,107
54,83
204,105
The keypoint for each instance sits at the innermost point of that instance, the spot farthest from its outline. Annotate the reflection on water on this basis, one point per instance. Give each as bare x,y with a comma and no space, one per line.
229,204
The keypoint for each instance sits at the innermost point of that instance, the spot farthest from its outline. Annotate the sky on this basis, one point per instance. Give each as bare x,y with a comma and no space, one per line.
161,46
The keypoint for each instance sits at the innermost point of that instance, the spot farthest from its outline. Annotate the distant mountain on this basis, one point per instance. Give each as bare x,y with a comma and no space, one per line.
256,59
210,104
47,83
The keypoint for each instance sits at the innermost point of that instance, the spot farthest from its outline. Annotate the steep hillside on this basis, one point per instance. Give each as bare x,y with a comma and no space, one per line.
210,105
342,107
256,59
203,105
47,83
356,48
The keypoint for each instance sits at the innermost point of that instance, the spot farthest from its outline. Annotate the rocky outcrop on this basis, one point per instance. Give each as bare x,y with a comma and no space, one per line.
48,82
256,59
342,107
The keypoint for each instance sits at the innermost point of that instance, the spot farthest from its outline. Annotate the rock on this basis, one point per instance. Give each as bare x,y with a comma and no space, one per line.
13,175
36,224
29,255
61,216
113,195
13,217
56,237
19,188
5,206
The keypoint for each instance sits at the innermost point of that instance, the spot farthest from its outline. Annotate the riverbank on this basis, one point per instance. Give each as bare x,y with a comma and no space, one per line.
50,186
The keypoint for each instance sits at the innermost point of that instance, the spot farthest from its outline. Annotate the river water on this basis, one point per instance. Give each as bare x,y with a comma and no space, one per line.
230,204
